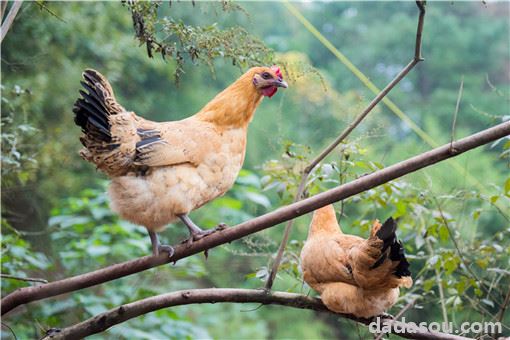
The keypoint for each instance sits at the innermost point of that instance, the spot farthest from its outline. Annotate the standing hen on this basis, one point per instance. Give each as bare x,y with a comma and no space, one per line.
354,275
162,171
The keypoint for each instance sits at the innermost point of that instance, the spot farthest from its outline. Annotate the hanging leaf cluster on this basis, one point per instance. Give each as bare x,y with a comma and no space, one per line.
197,44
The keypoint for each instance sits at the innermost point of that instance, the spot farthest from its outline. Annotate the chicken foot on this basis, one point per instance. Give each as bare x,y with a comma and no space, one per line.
157,247
196,233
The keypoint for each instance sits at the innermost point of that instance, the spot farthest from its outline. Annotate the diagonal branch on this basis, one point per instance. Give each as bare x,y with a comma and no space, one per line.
28,294
9,19
103,321
308,170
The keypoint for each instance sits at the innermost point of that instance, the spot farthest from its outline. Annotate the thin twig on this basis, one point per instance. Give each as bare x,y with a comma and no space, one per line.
502,310
500,211
44,7
439,285
308,170
28,294
399,314
504,306
407,307
19,278
103,321
6,325
457,105
7,23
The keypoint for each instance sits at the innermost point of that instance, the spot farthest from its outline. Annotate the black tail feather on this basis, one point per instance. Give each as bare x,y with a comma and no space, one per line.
100,109
98,96
397,254
91,112
387,234
81,118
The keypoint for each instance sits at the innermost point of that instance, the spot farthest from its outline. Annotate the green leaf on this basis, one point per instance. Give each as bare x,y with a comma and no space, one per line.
98,250
66,221
460,286
476,214
248,178
450,263
250,276
482,262
443,233
428,284
401,209
258,198
228,202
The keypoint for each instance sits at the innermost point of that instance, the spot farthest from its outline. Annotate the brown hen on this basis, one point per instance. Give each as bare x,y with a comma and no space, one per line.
162,171
354,275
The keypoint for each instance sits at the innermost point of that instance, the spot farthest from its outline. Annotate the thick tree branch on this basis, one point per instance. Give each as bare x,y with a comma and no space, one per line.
103,321
25,295
324,153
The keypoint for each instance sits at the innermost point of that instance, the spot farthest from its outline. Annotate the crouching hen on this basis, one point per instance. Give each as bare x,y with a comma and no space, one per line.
161,171
354,275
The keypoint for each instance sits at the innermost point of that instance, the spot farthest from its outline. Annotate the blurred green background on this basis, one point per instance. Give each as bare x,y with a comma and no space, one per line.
55,216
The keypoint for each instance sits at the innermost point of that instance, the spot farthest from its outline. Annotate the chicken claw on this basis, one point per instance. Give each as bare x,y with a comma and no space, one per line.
196,233
167,249
221,226
157,247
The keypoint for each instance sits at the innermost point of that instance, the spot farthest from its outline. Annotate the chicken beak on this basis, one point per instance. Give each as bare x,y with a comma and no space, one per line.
280,83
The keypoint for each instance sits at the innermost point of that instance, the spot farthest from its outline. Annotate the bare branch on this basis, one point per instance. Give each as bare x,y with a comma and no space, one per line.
419,31
9,19
103,321
308,170
20,278
29,294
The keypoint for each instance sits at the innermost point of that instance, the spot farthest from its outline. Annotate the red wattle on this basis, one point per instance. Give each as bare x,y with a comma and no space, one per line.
269,91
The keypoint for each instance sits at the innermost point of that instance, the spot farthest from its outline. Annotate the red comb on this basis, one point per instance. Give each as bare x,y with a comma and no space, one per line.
277,71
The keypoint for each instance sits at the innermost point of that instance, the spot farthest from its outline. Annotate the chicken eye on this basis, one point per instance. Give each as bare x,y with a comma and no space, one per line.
266,75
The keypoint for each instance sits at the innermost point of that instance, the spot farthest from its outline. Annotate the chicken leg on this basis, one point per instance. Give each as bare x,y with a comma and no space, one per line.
195,233
157,247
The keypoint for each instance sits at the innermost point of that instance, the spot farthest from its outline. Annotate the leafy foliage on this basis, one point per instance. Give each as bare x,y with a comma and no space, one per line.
18,136
197,43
